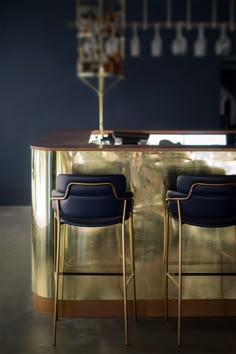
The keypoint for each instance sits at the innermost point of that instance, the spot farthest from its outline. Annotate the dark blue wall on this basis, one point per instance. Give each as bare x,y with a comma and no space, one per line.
40,91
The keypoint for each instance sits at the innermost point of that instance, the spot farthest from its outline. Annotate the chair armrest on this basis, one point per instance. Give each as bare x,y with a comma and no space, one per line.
57,195
126,195
173,195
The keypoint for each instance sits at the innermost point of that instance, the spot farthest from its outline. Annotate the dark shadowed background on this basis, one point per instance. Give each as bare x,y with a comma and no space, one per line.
40,91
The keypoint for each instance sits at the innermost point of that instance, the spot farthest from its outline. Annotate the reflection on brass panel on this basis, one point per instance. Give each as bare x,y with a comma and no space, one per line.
42,226
149,174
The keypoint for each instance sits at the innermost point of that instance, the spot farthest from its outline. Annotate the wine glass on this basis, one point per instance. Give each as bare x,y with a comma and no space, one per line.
112,44
179,44
135,47
200,45
88,48
156,44
223,44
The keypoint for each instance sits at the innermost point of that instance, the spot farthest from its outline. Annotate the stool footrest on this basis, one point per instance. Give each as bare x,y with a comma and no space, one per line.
94,273
203,274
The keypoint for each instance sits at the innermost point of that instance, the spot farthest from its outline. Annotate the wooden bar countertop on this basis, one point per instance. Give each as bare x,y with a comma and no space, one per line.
73,140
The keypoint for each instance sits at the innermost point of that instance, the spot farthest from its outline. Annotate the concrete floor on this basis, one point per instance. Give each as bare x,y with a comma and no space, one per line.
24,331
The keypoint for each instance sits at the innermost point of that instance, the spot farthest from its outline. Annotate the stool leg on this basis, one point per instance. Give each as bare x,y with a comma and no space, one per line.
124,275
118,240
55,315
180,276
166,265
54,243
63,259
132,257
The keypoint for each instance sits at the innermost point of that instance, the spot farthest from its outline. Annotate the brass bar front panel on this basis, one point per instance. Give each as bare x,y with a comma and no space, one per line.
149,174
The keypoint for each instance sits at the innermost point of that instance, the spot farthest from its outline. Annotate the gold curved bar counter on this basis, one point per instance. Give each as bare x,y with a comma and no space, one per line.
150,170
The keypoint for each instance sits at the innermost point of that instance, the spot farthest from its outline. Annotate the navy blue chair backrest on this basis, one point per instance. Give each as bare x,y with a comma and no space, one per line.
211,205
118,181
89,204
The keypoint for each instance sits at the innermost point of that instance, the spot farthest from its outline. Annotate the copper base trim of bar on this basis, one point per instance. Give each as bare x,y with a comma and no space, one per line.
145,308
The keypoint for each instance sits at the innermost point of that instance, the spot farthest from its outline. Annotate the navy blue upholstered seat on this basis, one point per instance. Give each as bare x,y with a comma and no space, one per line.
202,201
94,201
207,201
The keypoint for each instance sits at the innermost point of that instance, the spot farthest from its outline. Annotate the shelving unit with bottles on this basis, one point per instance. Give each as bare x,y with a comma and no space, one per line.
101,39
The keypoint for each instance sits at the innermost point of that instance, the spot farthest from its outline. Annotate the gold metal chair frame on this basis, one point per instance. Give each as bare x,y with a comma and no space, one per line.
127,276
171,275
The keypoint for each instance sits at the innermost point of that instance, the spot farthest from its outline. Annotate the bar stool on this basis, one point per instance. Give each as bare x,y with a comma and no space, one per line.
202,201
93,201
